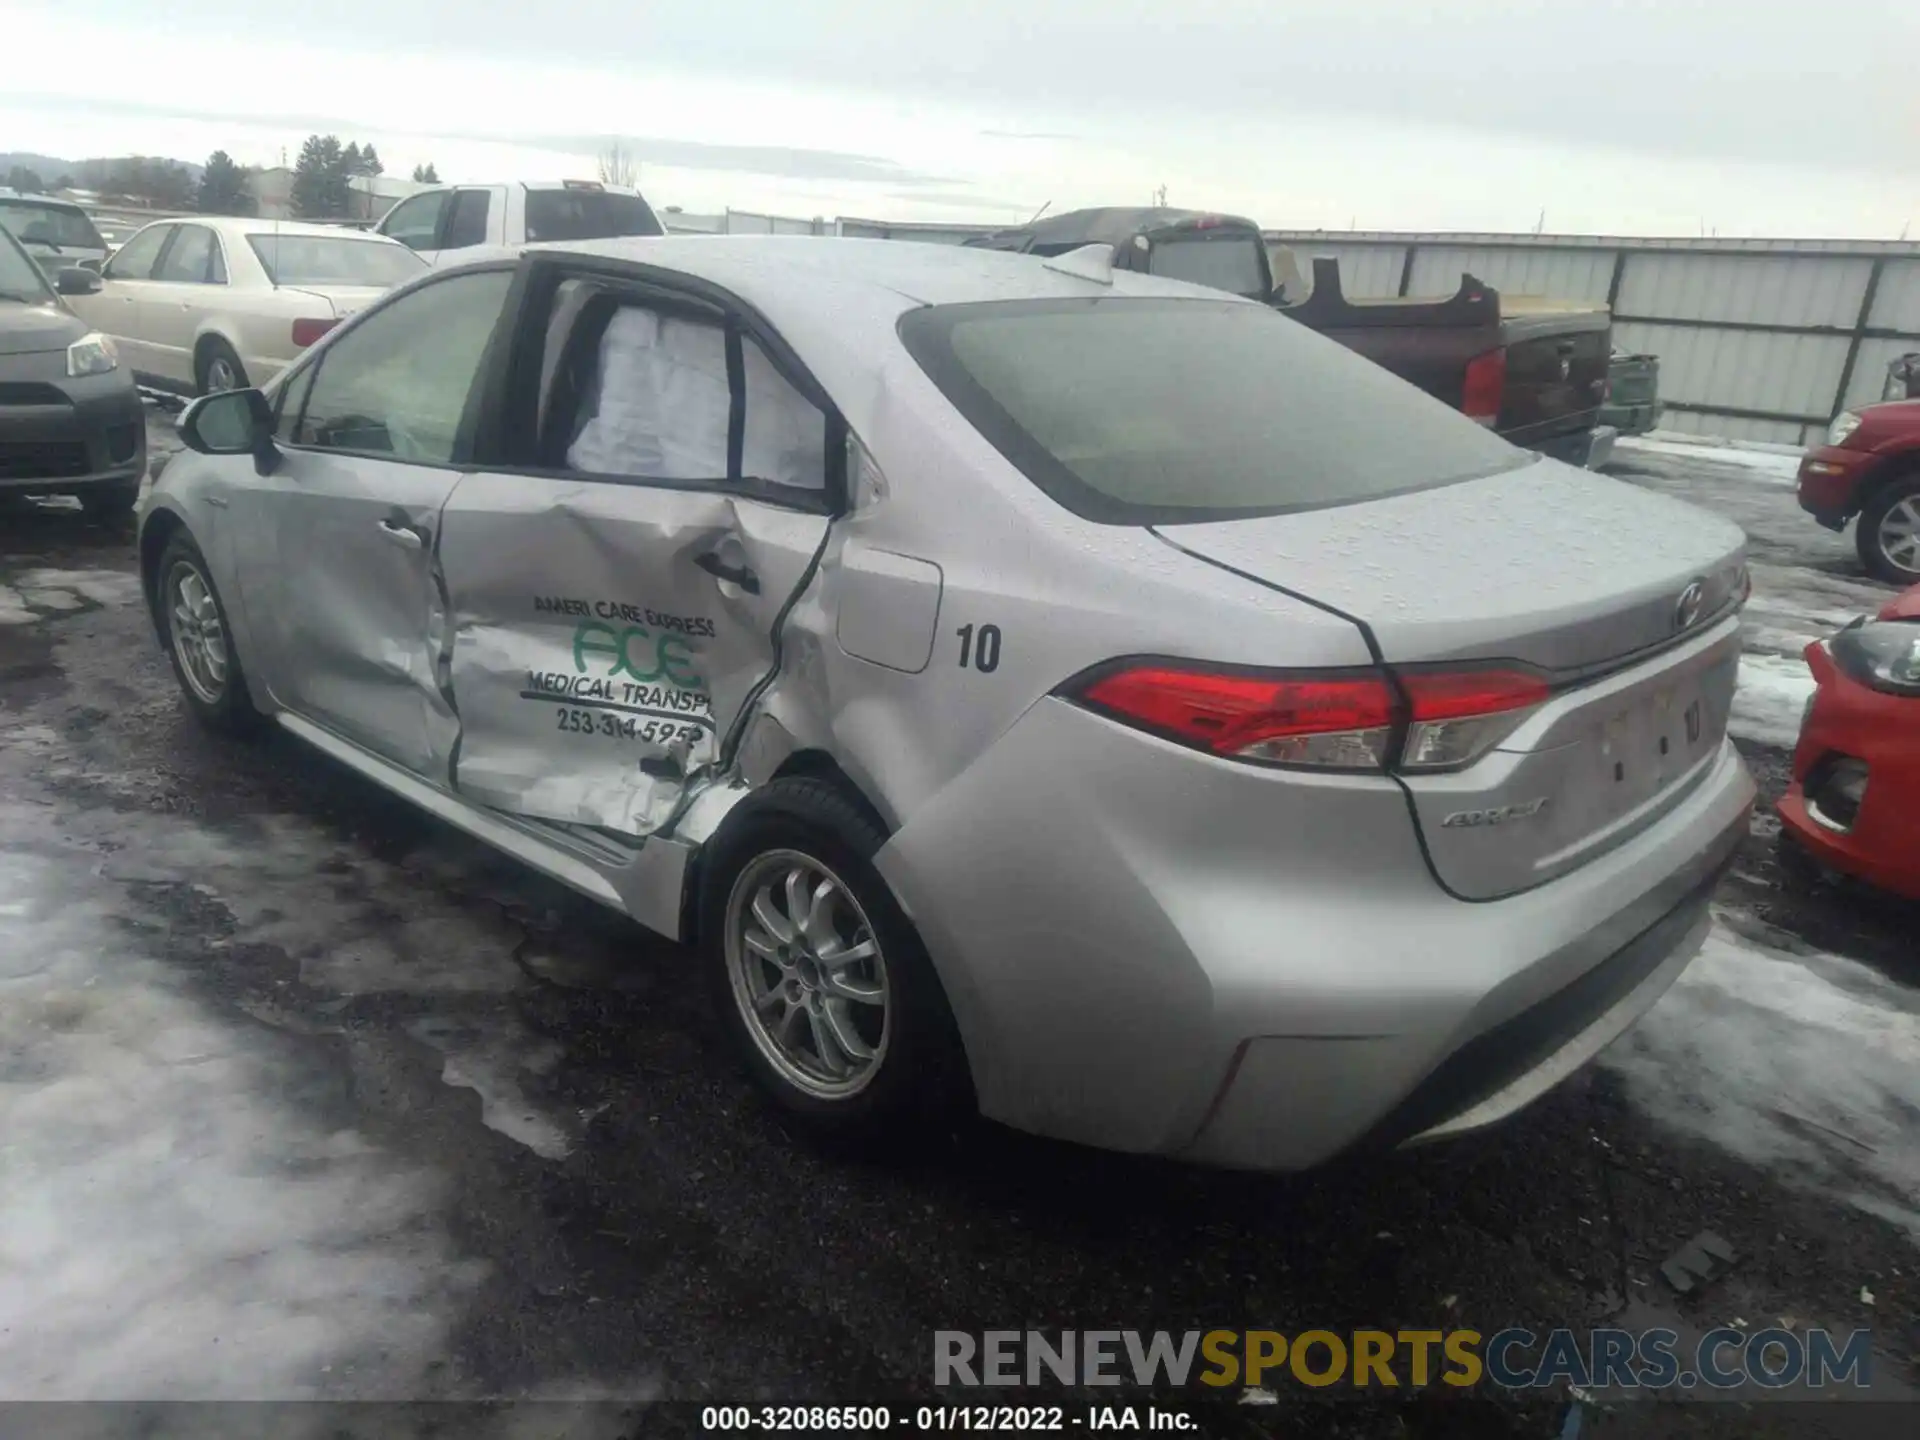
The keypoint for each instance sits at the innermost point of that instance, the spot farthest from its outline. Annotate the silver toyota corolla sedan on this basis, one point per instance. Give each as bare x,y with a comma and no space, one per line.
1030,684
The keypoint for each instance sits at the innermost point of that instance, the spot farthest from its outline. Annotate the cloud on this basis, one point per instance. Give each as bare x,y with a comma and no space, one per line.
785,161
1712,78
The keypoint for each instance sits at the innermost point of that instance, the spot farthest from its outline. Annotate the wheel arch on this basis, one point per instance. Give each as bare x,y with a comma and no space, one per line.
1887,470
806,763
162,523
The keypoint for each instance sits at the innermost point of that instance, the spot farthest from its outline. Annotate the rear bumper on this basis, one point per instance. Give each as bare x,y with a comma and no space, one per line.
1882,844
1155,951
1632,419
77,434
1829,483
1589,449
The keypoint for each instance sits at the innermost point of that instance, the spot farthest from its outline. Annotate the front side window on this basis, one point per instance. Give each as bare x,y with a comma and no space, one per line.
397,383
136,257
415,223
644,394
1136,411
467,221
333,260
189,260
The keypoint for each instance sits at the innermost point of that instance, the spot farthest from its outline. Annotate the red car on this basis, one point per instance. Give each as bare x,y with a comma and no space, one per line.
1870,467
1855,798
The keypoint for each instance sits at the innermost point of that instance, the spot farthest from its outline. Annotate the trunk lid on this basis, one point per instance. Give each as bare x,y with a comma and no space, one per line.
345,300
1558,353
1585,578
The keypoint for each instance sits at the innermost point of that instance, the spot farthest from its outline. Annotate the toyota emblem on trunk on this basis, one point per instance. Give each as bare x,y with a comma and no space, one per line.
1687,608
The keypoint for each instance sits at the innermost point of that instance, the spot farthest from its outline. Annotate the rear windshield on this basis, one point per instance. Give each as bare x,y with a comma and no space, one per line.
334,260
587,215
37,223
1134,411
1227,260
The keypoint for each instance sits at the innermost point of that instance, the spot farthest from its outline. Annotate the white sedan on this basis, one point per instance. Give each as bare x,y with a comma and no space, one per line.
199,305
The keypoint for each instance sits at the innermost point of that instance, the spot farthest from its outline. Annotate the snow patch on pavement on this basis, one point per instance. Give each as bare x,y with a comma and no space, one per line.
178,1220
1772,696
1765,466
1791,1058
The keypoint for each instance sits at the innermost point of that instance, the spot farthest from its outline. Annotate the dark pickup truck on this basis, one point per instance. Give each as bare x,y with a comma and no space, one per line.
1533,370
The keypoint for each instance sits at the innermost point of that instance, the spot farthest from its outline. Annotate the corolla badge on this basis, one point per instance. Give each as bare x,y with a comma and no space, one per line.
1686,610
1494,815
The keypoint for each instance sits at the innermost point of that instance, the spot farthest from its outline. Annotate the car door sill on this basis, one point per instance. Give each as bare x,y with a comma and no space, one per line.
640,879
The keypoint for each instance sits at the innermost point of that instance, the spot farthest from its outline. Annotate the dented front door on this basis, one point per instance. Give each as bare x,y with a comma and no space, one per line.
607,636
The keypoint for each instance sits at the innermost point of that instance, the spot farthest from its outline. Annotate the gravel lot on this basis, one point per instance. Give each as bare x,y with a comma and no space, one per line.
303,1095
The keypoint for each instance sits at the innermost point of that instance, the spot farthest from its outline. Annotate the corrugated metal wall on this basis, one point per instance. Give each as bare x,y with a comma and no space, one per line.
1757,339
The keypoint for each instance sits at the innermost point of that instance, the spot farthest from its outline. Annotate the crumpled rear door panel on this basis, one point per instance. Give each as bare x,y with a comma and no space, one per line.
606,636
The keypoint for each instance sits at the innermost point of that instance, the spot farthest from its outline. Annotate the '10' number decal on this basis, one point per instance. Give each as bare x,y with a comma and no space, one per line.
982,651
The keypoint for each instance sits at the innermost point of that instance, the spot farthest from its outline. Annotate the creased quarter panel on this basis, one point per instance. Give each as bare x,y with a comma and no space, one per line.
595,665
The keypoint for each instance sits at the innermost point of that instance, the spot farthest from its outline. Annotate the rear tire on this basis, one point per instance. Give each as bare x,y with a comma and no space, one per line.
218,368
199,641
862,1053
1888,532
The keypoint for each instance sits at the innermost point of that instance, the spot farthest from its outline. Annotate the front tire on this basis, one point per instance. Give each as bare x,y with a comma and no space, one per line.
818,975
218,368
199,641
1888,533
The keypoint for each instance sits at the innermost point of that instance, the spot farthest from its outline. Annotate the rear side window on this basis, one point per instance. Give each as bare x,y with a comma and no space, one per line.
650,395
588,215
1149,411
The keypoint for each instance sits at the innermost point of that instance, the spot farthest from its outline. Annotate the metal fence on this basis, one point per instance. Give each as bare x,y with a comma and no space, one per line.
1757,339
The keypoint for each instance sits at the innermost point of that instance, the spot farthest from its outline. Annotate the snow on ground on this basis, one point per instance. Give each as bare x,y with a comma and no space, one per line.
1792,1058
189,1209
1764,466
178,1220
1773,692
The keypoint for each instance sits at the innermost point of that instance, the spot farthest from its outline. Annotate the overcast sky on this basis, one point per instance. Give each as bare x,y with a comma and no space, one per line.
1629,116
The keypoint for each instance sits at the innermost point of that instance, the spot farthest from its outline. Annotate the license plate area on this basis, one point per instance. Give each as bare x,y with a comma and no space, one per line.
1650,743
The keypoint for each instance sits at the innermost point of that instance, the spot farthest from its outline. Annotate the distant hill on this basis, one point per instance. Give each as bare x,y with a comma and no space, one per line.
88,174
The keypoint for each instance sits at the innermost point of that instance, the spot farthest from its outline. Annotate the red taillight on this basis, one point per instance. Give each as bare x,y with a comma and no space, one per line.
1486,381
305,332
1339,719
1462,694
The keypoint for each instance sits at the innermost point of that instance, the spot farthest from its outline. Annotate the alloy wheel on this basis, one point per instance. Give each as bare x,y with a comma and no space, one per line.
807,974
1899,534
221,375
199,639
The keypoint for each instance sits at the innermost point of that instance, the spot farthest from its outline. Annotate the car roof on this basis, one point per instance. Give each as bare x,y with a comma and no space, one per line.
780,273
27,197
838,302
240,226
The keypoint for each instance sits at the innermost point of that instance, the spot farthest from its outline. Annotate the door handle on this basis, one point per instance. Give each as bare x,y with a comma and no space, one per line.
404,536
733,574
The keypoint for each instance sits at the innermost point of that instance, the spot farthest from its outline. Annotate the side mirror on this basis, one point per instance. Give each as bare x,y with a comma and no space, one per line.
72,280
232,422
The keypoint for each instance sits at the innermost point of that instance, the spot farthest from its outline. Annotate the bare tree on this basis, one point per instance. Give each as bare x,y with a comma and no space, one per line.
617,165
